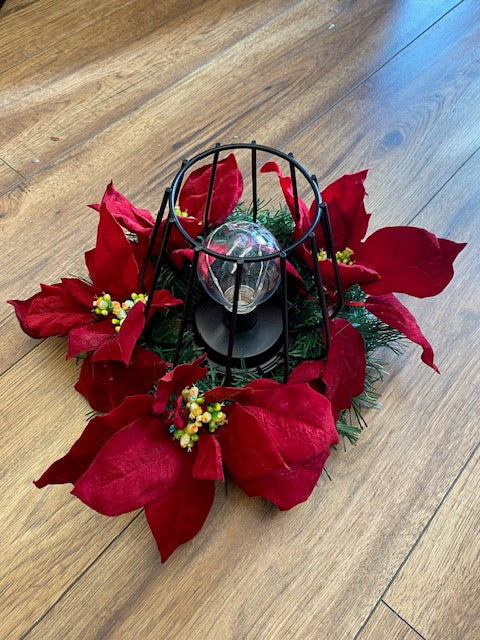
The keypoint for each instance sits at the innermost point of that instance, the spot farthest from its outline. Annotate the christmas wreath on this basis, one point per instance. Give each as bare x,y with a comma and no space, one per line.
163,434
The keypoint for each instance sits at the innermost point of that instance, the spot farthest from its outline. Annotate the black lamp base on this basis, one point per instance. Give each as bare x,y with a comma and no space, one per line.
253,347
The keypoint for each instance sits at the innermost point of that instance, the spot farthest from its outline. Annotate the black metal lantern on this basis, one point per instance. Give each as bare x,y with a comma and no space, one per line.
244,319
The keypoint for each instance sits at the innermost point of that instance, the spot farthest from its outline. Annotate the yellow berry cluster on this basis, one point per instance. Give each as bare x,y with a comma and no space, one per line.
342,256
212,417
104,305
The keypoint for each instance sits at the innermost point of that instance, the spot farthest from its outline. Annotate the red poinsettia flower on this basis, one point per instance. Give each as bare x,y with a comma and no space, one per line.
275,445
391,260
105,317
128,458
192,200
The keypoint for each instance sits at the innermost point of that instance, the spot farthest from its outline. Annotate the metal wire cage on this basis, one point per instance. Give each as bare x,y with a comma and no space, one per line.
230,340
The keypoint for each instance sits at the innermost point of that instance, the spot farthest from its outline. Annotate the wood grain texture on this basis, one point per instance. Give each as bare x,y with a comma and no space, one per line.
83,84
325,564
394,86
430,590
386,625
190,119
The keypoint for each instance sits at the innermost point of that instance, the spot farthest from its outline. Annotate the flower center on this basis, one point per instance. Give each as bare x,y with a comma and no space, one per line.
105,306
342,256
179,213
210,418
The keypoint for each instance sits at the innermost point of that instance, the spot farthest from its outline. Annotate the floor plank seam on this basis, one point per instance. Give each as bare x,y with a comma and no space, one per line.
417,541
143,104
80,576
403,620
409,222
13,169
371,74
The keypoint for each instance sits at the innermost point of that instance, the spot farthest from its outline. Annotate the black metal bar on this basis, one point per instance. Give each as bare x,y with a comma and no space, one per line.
186,304
294,188
160,260
321,295
254,181
283,286
330,249
210,189
233,325
153,237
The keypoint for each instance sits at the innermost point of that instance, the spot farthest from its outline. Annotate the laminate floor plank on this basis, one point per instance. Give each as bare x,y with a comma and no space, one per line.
69,92
386,625
40,413
318,570
391,125
430,590
33,27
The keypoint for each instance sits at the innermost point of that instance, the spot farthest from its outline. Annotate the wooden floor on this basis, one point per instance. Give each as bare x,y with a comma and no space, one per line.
123,90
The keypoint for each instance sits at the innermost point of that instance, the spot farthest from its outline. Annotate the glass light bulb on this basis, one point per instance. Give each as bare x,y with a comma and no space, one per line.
260,279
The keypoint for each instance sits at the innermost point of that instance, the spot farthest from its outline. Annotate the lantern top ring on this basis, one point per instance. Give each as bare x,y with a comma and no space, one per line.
215,151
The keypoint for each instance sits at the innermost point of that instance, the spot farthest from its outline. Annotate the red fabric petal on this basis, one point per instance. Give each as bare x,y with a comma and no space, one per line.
228,188
114,269
208,462
349,274
184,375
121,345
163,299
179,515
51,312
89,337
106,384
139,464
345,370
138,221
96,434
247,449
391,311
348,218
342,376
409,260
304,221
288,487
180,257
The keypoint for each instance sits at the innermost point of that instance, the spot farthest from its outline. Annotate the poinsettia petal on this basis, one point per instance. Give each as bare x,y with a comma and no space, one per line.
345,369
114,269
173,382
208,463
81,291
179,515
51,312
163,299
121,344
286,186
105,384
247,449
390,310
349,274
348,218
96,434
409,260
180,257
228,188
89,337
288,487
297,428
138,221
138,465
